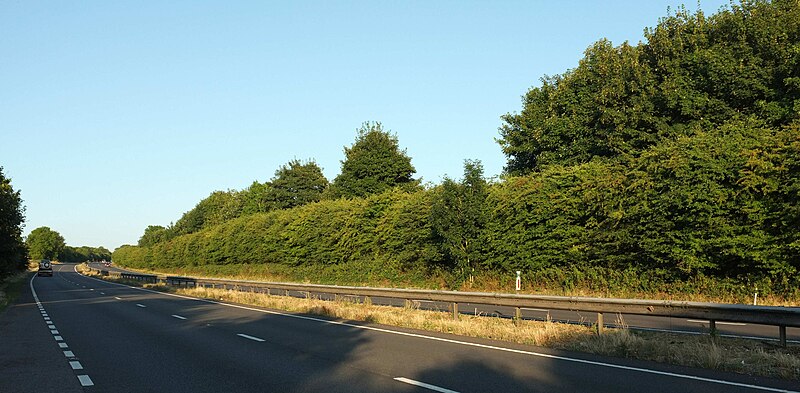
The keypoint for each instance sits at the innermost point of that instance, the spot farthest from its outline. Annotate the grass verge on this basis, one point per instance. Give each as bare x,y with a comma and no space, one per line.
727,354
11,286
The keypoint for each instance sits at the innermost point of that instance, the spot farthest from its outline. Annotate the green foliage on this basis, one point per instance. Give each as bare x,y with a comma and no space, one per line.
670,166
373,164
297,184
83,254
217,208
13,254
692,73
458,217
153,234
44,243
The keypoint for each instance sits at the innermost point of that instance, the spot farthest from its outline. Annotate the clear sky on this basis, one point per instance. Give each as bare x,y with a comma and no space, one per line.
115,115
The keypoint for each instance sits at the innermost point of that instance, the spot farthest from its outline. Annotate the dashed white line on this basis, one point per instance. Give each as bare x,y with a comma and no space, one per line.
102,293
85,380
117,297
178,316
471,344
76,365
251,337
424,385
59,338
54,331
140,305
69,354
63,345
718,323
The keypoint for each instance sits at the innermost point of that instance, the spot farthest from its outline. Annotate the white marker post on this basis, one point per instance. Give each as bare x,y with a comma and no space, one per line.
517,310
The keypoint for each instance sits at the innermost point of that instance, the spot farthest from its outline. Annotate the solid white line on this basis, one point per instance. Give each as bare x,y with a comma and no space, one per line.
69,354
718,323
178,316
534,309
141,305
424,385
76,365
261,340
63,345
85,380
467,343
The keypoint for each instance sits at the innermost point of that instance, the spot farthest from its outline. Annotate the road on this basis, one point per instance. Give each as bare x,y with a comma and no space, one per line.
70,333
639,322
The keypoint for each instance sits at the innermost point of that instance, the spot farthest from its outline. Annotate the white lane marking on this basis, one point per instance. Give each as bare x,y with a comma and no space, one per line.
54,332
85,380
69,354
91,289
424,385
59,338
76,365
467,343
178,316
63,345
102,293
261,340
51,327
718,323
46,318
140,305
534,309
117,297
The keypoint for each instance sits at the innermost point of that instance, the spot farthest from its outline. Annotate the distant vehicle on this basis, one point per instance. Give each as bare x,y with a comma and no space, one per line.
45,268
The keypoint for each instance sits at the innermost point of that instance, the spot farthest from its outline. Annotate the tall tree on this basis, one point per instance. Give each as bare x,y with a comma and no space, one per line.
297,184
458,216
12,218
45,243
153,234
693,73
373,164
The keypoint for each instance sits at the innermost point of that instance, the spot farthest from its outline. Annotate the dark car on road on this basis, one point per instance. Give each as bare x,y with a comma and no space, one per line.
45,268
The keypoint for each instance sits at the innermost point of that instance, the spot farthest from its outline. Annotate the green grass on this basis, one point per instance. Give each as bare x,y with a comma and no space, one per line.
11,287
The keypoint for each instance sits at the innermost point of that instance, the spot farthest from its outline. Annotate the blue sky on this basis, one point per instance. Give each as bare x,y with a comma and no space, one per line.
115,115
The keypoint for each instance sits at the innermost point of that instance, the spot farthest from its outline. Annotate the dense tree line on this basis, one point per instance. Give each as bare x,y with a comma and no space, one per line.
13,253
373,164
665,162
83,254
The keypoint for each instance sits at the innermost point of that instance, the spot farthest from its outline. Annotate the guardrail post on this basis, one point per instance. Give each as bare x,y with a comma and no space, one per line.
517,314
782,330
455,311
712,326
367,300
600,324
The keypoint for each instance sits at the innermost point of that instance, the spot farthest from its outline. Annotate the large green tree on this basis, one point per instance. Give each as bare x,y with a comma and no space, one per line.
692,73
297,184
459,215
215,209
154,234
45,243
12,218
373,164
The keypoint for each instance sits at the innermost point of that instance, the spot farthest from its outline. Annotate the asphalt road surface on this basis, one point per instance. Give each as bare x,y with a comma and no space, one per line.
70,333
640,322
